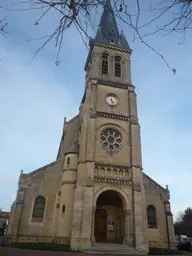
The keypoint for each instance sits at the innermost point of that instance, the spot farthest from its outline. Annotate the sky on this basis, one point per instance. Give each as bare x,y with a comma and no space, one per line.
36,96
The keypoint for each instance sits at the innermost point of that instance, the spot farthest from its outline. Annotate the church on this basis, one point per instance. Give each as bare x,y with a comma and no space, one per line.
96,191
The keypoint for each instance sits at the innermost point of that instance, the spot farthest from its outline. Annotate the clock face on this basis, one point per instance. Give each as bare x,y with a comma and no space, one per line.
111,100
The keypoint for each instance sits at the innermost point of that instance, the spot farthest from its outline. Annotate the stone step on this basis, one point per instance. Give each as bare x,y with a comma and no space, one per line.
112,253
112,249
128,252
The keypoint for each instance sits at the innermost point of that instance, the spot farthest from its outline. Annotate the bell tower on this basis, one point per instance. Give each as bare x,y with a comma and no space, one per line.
114,62
109,142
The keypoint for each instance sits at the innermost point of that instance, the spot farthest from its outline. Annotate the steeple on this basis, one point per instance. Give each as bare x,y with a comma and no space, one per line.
108,32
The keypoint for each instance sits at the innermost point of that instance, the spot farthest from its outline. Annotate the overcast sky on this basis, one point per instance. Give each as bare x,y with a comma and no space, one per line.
35,98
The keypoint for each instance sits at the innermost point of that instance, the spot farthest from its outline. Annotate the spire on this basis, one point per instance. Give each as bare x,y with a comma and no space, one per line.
108,32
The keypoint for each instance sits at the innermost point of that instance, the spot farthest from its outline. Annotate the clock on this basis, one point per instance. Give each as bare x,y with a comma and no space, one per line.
111,100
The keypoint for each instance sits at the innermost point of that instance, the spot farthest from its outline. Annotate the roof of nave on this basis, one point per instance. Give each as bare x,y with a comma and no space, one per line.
165,190
26,175
69,140
68,144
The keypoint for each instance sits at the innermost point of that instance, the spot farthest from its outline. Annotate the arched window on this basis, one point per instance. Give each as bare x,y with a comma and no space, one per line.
63,209
105,58
117,66
39,207
151,216
68,161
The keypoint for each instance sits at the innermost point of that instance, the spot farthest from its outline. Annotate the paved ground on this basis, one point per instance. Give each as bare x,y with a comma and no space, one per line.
22,252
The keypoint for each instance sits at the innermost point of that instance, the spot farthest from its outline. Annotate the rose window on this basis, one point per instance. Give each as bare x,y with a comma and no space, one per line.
111,139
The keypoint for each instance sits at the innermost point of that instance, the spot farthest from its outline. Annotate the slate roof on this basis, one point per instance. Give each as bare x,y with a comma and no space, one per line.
146,177
108,32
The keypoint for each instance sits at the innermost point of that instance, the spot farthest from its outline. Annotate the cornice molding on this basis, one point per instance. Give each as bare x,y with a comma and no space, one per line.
115,84
112,165
112,47
68,182
134,120
70,169
113,116
71,152
112,181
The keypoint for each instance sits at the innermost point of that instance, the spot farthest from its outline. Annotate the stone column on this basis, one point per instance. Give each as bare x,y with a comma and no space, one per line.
93,226
86,229
128,233
170,226
16,212
125,241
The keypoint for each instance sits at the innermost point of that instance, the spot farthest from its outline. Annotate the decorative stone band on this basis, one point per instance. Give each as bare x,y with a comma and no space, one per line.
70,169
36,238
169,214
68,182
114,84
134,120
113,116
108,46
112,173
113,182
71,152
97,164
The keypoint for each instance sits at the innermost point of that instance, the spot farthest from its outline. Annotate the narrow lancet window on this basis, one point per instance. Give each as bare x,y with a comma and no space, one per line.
39,207
68,161
151,216
117,66
105,60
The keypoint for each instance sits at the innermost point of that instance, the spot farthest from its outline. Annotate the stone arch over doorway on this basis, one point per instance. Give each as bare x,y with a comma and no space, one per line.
110,206
123,195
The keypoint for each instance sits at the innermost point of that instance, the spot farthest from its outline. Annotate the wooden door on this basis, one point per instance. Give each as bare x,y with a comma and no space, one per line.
100,225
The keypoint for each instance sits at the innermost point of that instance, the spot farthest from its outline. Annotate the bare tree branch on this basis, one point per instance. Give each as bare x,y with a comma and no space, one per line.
3,25
167,16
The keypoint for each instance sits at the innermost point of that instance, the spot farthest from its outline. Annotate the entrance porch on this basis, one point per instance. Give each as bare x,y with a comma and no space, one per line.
111,222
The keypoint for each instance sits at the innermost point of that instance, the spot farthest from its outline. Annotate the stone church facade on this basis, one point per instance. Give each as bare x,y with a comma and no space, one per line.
96,190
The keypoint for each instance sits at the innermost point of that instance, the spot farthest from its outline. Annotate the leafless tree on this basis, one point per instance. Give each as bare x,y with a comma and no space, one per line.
163,16
3,24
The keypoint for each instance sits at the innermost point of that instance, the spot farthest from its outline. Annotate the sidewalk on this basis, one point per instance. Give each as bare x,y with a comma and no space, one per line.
23,252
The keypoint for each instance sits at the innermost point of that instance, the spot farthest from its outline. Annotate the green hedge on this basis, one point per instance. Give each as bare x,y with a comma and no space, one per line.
163,251
42,246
